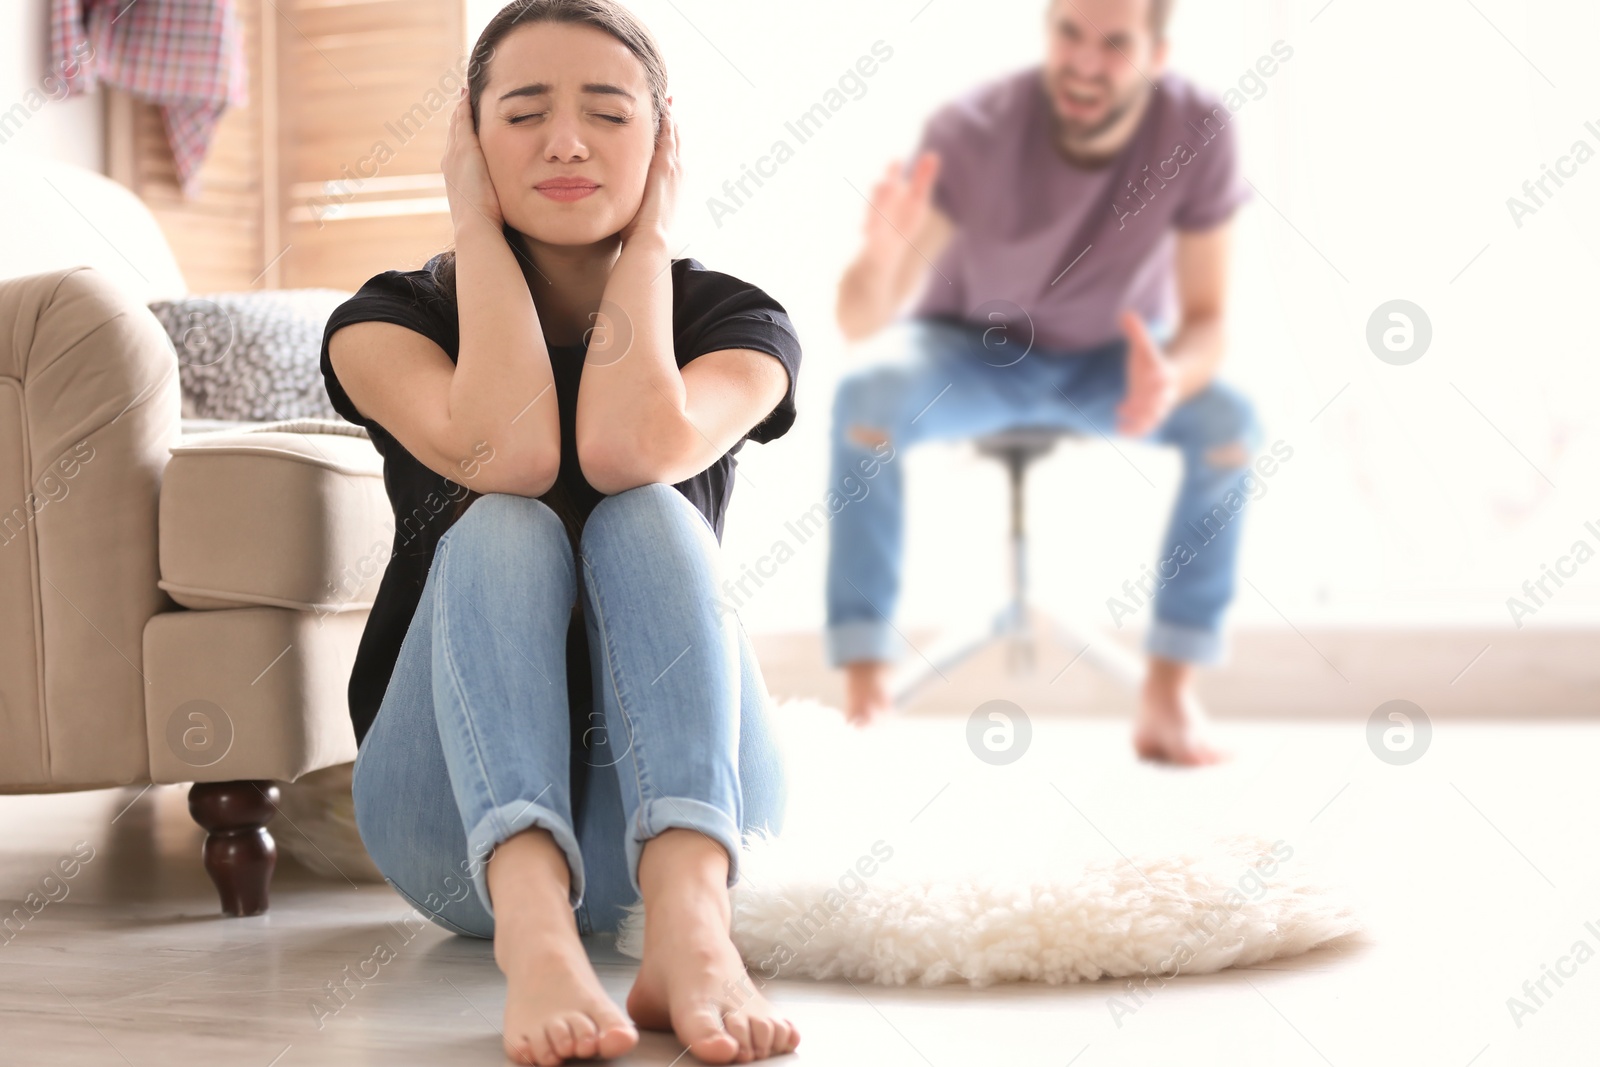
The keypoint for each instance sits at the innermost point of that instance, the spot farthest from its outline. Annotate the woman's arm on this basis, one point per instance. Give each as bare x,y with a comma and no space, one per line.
400,379
503,387
640,418
631,397
494,412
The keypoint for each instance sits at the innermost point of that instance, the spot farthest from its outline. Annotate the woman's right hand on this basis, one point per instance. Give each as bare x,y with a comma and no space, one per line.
466,172
900,206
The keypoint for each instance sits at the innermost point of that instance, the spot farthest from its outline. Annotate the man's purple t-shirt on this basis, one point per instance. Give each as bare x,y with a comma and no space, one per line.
1072,247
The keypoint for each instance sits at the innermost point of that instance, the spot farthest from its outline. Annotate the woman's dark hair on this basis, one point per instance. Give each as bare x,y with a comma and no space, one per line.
608,17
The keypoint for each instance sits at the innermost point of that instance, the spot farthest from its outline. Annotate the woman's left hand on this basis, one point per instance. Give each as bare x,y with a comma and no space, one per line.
660,185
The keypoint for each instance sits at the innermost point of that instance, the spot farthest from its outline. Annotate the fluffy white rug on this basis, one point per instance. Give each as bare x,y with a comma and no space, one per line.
982,896
1233,904
999,877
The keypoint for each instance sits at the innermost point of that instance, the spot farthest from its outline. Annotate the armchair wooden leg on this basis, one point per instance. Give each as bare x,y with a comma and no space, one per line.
239,854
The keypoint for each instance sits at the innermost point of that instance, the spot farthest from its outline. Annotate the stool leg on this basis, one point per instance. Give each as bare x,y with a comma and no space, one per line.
239,853
1020,656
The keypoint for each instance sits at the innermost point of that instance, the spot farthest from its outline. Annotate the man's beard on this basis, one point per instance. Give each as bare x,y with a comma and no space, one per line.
1071,130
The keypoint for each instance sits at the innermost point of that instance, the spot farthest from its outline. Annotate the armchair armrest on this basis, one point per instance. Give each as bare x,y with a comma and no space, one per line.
89,407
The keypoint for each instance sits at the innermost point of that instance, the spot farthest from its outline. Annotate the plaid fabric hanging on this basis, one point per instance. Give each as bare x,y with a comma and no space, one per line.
185,55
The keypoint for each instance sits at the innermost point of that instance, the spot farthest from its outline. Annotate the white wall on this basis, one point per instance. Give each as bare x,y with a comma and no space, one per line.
35,114
1387,147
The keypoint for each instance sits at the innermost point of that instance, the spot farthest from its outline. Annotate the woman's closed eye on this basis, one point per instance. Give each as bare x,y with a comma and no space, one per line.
619,120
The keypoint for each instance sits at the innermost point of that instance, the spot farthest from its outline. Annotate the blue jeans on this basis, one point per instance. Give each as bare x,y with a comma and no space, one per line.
475,742
948,381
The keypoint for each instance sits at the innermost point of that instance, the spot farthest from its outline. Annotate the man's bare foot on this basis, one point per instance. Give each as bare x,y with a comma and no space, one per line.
867,696
555,1005
1172,727
691,978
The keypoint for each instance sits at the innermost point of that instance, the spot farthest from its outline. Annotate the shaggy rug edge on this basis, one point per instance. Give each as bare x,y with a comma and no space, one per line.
1233,903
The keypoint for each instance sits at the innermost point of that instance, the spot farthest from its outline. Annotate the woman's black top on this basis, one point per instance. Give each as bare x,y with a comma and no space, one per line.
710,312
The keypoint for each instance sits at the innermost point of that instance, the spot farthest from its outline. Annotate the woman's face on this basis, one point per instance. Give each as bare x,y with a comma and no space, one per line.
567,129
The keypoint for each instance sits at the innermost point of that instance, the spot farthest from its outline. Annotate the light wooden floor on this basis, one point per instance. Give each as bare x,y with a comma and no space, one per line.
1309,672
1475,867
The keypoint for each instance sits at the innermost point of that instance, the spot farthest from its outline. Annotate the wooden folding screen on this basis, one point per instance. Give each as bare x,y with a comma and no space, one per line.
331,173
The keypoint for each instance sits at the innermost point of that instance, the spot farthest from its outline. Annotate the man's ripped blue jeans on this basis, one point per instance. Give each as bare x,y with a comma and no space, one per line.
954,381
474,740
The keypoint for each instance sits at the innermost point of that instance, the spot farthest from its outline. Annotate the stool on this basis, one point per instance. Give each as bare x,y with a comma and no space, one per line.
1017,448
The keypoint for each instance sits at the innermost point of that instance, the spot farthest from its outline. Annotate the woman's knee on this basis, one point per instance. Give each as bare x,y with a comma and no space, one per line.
493,515
639,515
517,539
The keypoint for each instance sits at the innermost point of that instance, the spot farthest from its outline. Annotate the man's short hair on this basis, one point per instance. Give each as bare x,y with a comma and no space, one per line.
1160,11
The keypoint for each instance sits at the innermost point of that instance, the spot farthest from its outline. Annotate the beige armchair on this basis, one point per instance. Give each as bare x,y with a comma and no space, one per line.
176,606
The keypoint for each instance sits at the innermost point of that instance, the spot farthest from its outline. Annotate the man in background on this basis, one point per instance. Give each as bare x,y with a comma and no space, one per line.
1068,225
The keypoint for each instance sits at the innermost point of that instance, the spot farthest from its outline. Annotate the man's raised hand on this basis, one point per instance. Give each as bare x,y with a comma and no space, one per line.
900,206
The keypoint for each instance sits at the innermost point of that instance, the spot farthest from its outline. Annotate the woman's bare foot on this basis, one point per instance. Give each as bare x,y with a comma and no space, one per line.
691,979
867,694
1172,727
555,1005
